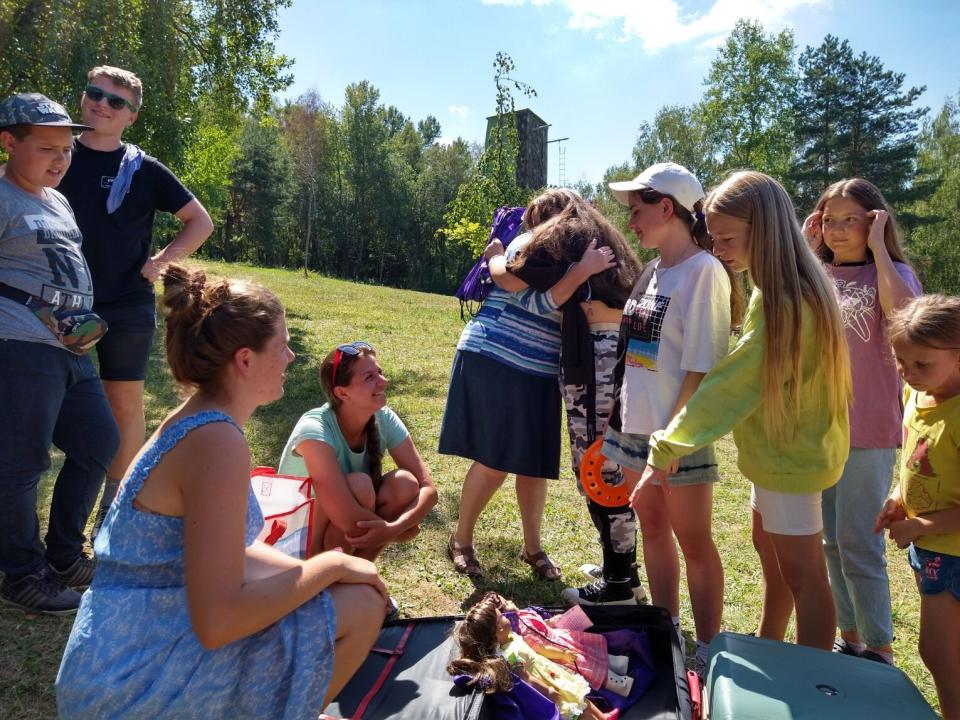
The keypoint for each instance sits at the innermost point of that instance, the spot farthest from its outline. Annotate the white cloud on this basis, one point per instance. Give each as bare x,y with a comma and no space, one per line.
458,110
661,23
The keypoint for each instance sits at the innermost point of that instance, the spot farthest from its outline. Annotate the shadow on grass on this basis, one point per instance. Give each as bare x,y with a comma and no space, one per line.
418,383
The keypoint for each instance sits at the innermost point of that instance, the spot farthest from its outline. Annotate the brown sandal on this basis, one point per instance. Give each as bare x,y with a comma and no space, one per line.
464,560
542,565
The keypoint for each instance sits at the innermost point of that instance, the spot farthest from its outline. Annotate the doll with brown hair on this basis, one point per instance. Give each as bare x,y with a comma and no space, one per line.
491,653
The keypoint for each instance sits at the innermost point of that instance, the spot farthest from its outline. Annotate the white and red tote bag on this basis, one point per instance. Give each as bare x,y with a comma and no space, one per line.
287,510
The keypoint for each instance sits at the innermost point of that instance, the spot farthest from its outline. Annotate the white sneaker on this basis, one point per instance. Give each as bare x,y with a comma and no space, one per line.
639,593
619,684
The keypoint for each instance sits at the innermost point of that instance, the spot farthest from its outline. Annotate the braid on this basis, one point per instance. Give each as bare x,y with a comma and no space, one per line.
374,457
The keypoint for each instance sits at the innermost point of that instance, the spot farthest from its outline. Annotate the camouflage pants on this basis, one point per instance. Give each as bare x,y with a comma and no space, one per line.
617,526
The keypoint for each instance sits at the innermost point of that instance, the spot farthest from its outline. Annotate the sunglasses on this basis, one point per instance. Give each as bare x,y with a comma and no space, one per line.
352,349
115,101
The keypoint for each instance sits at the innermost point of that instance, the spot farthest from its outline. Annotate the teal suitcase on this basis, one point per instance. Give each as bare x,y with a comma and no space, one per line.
750,678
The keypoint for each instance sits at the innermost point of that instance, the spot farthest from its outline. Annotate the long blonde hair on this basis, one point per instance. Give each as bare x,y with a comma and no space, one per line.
788,275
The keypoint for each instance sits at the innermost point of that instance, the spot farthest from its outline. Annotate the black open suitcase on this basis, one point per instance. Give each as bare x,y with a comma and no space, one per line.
405,676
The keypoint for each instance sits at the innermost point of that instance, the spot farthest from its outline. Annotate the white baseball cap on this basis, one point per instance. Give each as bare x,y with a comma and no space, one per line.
667,178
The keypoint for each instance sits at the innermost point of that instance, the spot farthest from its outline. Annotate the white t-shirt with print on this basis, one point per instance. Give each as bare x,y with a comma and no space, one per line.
679,323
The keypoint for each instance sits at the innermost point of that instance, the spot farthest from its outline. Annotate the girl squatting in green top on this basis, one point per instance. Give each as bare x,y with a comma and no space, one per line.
784,391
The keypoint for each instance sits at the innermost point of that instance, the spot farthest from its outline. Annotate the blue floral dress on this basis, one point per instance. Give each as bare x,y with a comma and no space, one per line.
133,653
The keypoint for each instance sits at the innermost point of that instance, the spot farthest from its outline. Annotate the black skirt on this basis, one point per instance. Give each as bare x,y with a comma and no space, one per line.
501,417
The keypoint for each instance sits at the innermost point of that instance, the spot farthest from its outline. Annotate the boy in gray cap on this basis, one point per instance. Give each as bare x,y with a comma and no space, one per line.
50,388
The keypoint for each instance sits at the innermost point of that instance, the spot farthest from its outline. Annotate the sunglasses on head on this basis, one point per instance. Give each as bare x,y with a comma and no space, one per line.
115,101
353,349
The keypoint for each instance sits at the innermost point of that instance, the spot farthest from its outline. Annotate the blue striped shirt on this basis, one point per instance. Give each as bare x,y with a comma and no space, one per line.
521,330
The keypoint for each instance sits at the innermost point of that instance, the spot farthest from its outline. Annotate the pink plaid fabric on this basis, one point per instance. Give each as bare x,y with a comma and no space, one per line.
590,648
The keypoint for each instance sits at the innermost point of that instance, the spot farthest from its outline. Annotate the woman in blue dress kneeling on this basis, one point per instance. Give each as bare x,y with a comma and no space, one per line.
187,615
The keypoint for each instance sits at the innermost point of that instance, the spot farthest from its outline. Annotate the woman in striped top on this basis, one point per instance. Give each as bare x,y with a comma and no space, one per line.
503,407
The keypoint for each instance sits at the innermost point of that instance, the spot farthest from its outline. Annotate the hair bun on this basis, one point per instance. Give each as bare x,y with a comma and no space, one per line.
183,290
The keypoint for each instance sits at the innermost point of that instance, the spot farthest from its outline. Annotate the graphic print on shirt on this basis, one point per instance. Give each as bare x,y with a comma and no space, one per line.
60,241
645,320
918,496
919,462
858,307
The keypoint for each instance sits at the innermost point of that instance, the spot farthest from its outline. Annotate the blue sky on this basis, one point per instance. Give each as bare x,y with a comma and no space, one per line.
600,67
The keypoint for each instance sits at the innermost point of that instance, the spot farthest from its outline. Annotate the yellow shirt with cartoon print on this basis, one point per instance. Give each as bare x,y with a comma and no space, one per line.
930,465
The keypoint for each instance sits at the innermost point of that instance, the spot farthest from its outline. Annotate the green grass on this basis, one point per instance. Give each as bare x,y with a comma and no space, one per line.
415,335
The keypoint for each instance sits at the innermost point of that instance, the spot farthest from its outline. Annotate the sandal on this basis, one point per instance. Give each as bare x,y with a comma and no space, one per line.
542,565
464,560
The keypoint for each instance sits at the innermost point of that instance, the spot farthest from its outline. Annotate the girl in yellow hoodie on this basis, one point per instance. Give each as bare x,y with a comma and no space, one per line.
784,391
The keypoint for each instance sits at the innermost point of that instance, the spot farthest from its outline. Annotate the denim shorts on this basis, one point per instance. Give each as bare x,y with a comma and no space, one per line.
936,571
123,353
630,451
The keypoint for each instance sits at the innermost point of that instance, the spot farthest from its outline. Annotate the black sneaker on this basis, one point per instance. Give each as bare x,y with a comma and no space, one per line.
597,571
79,574
600,592
41,592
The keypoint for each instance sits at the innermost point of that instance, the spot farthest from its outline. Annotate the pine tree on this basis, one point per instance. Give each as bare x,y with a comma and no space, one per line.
853,118
820,117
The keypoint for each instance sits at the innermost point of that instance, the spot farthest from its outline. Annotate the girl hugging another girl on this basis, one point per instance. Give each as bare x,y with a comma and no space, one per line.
590,330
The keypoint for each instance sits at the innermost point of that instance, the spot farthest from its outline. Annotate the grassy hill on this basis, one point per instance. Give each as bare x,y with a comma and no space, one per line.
415,335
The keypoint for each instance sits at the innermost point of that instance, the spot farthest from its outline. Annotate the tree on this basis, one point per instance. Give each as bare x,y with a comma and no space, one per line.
206,171
365,134
933,244
853,118
678,134
438,264
258,222
305,128
429,129
183,50
746,108
495,181
820,122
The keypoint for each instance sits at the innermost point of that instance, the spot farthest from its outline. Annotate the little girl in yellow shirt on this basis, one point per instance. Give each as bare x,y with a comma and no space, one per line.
924,511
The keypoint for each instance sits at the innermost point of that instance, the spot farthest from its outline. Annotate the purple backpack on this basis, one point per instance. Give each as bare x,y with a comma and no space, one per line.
477,284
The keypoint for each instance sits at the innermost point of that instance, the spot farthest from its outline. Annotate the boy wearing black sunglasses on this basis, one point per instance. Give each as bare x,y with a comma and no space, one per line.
115,190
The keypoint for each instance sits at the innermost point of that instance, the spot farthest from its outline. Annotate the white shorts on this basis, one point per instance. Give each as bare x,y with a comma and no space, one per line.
788,513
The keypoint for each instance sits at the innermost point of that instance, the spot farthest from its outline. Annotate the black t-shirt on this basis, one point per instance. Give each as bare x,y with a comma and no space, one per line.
117,246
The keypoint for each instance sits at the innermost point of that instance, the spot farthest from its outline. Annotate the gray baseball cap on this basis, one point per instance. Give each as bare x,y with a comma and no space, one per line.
35,109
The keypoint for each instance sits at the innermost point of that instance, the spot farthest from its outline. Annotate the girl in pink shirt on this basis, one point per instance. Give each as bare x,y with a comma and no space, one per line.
854,232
